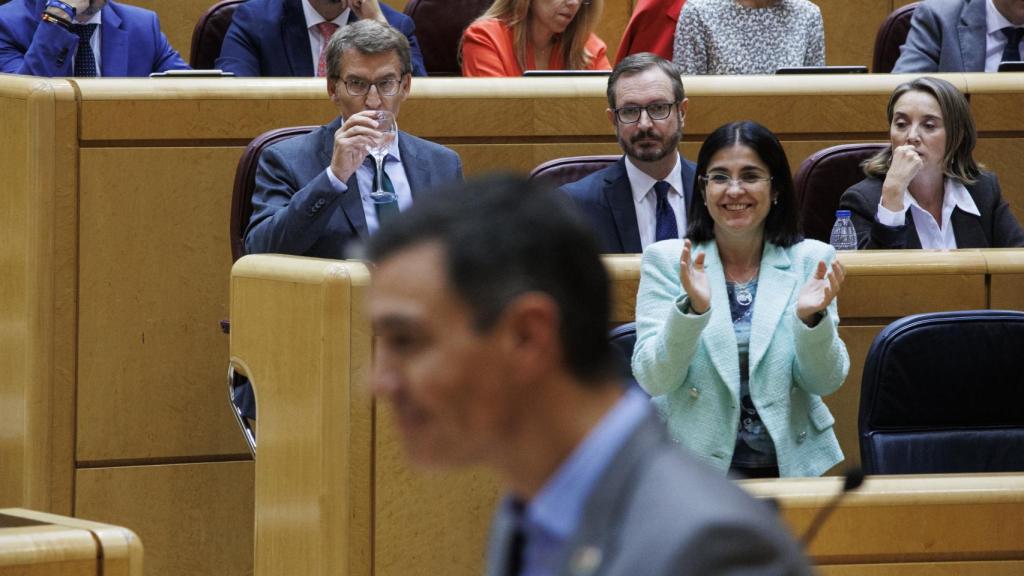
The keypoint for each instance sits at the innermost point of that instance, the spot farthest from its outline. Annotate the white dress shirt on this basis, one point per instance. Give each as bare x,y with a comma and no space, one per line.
995,40
931,233
315,40
364,176
646,200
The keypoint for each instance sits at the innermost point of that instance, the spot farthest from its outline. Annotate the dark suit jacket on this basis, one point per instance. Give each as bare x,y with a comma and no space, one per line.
996,228
945,36
269,38
131,43
295,209
658,511
606,198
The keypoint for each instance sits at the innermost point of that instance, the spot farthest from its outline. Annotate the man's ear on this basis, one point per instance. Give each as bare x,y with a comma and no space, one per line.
532,324
611,116
682,111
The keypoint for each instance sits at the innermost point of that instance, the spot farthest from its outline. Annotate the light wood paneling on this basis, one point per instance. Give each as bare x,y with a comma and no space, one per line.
37,324
65,546
845,402
193,518
149,335
908,519
850,29
1000,155
177,20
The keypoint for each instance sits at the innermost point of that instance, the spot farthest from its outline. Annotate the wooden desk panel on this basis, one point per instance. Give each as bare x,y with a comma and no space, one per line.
149,332
194,518
40,544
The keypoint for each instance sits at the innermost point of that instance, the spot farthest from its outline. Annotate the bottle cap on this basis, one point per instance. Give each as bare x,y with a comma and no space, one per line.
842,213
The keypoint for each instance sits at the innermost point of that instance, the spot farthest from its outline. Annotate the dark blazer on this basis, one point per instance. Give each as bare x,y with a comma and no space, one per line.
996,228
658,511
945,36
269,38
295,209
606,198
131,43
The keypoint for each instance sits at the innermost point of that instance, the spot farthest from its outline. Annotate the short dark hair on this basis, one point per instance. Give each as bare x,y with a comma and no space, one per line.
503,236
642,62
782,226
369,37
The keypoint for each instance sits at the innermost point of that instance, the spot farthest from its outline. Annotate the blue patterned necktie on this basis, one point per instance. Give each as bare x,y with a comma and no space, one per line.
85,60
387,211
1013,36
665,227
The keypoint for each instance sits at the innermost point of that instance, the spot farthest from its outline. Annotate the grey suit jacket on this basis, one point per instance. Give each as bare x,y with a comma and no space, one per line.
995,228
606,199
295,209
658,511
945,36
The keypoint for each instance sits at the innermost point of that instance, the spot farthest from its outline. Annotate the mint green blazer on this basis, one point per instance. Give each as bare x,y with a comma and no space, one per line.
690,363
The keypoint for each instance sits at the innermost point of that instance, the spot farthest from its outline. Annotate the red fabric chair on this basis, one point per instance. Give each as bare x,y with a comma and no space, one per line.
891,35
570,169
821,180
439,28
208,35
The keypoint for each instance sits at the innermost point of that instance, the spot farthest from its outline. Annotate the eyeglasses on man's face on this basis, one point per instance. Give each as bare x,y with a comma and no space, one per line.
718,181
360,87
655,111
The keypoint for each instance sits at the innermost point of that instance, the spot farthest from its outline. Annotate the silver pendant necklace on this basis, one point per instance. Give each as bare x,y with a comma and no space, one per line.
742,291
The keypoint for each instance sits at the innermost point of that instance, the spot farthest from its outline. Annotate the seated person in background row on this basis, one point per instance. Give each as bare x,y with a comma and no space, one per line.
736,327
651,28
83,38
517,35
644,196
962,36
489,306
312,192
748,36
289,37
928,170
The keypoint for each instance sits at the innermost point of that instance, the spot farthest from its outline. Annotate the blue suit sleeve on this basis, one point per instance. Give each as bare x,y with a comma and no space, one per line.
165,57
240,52
49,51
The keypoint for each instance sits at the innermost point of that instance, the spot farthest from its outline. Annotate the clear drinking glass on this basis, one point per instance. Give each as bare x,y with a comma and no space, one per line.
379,149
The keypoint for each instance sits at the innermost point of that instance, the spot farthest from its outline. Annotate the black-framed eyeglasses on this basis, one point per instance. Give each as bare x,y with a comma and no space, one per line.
360,87
655,111
720,181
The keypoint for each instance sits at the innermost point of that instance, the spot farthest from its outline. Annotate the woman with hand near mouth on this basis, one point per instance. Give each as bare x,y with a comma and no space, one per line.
518,35
736,324
926,190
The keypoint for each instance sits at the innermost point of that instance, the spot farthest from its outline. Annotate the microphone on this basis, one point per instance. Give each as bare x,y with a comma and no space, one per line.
851,481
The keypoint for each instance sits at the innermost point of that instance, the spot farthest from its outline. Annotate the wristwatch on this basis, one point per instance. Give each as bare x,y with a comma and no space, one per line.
63,6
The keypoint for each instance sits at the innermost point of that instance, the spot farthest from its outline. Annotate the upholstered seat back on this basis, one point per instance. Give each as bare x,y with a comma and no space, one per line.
208,35
891,36
439,27
562,171
245,182
623,340
821,180
944,392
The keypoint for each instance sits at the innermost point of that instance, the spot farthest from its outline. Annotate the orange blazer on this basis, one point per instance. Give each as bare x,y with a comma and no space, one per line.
651,28
488,50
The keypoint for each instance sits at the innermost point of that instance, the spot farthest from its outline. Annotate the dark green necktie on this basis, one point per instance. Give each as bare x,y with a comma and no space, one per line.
387,211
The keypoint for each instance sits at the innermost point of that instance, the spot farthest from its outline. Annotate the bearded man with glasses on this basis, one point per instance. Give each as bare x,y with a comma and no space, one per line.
312,192
642,198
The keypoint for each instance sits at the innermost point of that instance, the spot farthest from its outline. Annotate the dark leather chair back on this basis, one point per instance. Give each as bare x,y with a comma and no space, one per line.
562,171
821,180
943,393
439,28
623,339
245,183
208,35
891,35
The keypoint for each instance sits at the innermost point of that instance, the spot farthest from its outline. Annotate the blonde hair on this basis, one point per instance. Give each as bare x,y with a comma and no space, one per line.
957,161
516,15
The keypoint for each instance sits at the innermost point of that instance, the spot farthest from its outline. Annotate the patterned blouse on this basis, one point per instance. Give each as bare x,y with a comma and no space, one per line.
725,37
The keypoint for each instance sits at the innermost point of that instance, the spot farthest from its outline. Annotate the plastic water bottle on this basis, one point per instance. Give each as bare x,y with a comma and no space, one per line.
844,236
